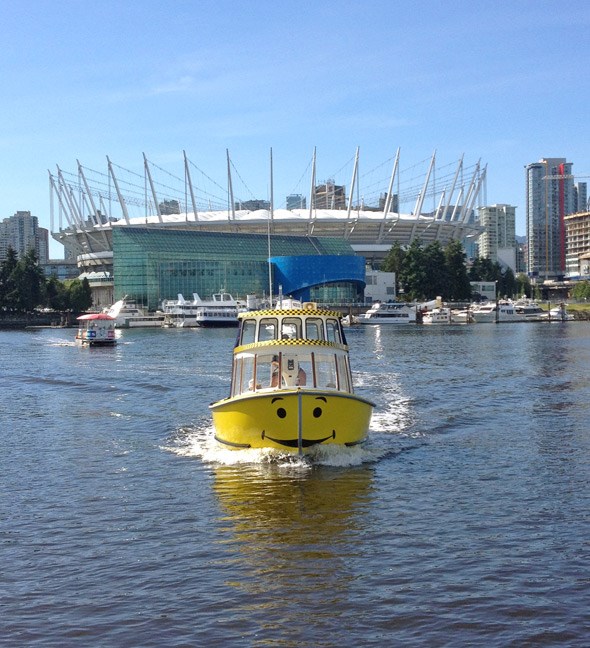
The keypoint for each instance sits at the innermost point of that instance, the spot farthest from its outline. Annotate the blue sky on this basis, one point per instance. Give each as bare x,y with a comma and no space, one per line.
503,81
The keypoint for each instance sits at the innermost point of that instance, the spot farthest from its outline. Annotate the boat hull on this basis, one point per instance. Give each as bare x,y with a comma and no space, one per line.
291,420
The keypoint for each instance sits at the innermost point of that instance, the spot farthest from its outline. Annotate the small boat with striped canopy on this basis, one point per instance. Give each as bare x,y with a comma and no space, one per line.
96,329
291,385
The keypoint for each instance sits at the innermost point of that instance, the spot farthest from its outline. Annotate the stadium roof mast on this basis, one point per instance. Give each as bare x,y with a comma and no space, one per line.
388,198
312,189
94,214
56,188
149,177
119,194
230,189
187,178
421,196
351,193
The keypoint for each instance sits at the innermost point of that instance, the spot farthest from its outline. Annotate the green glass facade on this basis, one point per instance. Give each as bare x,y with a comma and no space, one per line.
150,265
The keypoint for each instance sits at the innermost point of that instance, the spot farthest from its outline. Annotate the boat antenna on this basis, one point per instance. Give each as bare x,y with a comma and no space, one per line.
270,217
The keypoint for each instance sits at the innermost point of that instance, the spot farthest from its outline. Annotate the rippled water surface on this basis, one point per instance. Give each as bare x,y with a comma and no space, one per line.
464,521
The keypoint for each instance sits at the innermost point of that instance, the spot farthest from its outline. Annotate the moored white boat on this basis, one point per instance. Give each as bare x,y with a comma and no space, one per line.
440,315
291,386
221,310
96,329
528,310
389,313
502,311
558,314
128,315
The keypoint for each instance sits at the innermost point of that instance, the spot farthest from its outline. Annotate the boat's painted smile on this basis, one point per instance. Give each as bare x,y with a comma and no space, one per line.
281,413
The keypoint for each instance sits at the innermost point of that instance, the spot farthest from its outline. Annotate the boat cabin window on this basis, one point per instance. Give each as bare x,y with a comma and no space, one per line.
343,373
325,371
254,372
248,331
268,329
333,330
314,329
291,328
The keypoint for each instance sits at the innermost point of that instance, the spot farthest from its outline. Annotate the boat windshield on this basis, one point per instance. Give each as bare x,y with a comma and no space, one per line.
256,371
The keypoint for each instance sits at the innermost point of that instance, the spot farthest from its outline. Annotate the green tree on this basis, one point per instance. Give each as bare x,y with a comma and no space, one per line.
29,283
56,295
459,287
413,276
483,269
393,262
8,294
508,285
80,295
523,285
581,291
437,281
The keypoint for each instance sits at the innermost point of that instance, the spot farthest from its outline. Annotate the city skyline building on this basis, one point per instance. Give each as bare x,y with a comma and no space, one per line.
550,196
577,229
498,239
21,232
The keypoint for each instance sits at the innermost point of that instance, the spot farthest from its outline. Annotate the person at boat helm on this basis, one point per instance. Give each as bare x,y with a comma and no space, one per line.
274,376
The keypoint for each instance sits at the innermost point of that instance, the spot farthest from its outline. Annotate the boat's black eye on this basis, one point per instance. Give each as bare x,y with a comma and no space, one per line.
281,412
317,412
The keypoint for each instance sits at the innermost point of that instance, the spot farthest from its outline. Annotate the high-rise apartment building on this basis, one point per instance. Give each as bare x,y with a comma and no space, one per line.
577,242
329,196
21,233
296,201
550,196
581,195
498,240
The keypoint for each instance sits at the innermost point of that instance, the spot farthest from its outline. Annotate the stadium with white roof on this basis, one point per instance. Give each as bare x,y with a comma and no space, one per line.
431,203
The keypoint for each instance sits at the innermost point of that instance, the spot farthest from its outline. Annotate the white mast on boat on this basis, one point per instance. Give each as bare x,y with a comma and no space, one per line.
312,189
270,218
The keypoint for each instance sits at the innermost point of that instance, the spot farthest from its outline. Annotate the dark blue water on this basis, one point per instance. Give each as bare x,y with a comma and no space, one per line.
465,520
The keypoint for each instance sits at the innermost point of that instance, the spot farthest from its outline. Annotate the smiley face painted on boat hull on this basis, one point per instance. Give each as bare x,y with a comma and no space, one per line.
282,412
272,420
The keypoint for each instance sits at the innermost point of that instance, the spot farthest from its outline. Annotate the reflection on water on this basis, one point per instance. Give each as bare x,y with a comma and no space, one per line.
463,521
293,532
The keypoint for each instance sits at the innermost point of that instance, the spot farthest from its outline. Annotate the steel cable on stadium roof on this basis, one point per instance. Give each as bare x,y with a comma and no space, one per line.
131,190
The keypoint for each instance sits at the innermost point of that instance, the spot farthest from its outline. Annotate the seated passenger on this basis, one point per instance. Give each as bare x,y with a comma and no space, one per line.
274,372
301,377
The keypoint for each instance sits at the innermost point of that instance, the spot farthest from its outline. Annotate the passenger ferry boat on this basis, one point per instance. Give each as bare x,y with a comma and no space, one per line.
96,329
291,384
389,313
221,310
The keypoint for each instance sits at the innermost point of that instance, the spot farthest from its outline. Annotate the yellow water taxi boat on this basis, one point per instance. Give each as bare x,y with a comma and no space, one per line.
291,385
